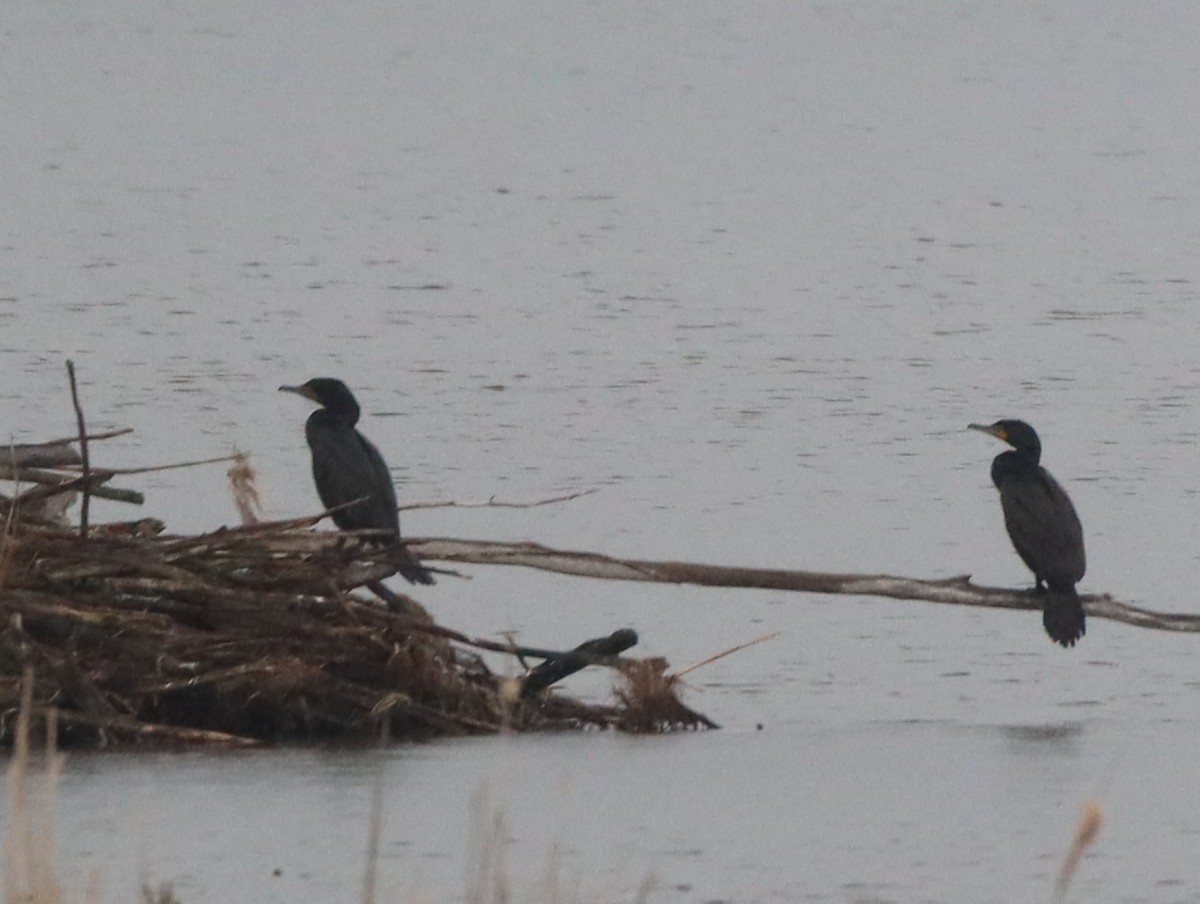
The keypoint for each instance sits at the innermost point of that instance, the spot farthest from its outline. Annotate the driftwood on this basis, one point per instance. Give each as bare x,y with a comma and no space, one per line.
50,466
39,455
957,591
596,651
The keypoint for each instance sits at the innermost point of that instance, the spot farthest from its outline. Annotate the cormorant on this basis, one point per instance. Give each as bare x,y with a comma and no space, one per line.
347,467
1043,526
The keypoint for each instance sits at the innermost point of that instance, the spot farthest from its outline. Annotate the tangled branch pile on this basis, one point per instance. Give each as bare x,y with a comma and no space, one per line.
255,634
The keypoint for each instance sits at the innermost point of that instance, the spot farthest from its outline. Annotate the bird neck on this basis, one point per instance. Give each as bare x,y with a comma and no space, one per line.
339,417
1011,465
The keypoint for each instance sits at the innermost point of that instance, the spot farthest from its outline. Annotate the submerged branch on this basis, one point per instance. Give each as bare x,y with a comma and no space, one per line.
956,591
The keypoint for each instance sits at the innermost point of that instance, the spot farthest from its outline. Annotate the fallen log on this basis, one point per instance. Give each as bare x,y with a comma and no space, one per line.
956,591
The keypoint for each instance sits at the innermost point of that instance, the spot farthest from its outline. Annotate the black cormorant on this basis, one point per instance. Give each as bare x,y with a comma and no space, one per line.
346,467
1043,526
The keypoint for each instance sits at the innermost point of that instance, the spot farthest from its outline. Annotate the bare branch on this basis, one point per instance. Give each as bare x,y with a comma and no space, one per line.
83,452
957,591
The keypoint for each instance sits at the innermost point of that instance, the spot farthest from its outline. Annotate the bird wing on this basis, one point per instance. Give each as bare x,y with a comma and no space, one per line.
346,466
383,503
1045,529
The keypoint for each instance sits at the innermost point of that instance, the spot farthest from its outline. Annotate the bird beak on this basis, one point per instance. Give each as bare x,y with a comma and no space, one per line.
994,429
299,390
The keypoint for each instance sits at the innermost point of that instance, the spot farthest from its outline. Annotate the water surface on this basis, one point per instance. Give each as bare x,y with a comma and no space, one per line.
749,271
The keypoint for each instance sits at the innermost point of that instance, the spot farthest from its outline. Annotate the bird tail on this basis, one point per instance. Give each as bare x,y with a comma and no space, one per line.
410,569
1062,614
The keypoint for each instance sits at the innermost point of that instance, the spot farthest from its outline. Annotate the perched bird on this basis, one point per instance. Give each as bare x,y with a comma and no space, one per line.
1043,526
347,467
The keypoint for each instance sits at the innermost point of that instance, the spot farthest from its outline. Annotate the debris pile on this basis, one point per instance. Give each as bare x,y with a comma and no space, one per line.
248,635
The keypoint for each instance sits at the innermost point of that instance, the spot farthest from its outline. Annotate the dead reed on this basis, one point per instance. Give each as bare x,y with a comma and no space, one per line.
29,845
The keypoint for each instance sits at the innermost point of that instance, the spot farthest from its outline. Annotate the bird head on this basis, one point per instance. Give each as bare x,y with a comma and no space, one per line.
333,395
1017,434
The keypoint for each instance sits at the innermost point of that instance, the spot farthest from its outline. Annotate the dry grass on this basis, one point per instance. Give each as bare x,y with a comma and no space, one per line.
30,850
29,845
488,878
1086,831
243,486
650,702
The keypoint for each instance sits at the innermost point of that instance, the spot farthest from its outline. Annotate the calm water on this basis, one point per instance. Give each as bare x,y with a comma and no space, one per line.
750,271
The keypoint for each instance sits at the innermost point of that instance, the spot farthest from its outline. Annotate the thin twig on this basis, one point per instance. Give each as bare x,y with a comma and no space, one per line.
153,468
83,452
492,502
92,437
724,653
